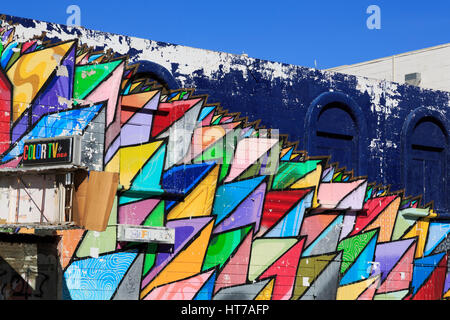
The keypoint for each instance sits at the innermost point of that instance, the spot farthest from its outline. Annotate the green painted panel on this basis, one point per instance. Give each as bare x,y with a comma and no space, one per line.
352,247
265,251
310,267
290,172
406,218
222,246
156,217
150,257
88,77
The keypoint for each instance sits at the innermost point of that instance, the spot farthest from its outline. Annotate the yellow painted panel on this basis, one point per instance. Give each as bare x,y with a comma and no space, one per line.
80,58
134,85
266,293
312,179
114,164
132,159
419,230
354,290
284,151
199,202
186,264
447,295
30,72
124,83
26,231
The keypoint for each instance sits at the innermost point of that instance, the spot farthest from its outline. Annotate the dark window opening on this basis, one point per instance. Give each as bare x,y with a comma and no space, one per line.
29,267
336,135
426,163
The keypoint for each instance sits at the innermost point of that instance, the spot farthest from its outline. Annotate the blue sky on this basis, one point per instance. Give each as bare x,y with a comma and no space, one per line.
297,32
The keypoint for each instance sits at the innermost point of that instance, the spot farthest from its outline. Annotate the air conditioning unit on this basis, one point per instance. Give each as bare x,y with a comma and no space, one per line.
413,79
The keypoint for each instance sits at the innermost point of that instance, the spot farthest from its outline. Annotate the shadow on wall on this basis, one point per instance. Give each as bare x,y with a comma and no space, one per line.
29,267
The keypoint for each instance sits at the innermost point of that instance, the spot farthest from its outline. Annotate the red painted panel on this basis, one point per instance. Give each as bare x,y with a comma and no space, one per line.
278,203
174,111
433,288
5,112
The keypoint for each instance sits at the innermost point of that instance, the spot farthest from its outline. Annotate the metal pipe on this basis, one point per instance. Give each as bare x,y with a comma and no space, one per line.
143,192
18,200
417,213
32,200
43,202
149,191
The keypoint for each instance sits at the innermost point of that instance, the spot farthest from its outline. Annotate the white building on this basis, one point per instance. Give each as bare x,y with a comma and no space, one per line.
427,68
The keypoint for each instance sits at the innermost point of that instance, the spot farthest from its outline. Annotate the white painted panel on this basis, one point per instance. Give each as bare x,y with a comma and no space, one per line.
34,191
432,63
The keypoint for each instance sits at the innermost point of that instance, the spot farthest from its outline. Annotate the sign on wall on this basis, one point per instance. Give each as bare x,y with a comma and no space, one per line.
48,151
133,233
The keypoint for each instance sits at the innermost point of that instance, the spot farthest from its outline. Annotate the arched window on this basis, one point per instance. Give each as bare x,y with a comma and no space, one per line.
153,71
336,134
335,126
426,168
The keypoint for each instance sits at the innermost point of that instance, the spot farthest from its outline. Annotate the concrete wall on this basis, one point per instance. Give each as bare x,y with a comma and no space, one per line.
255,217
432,63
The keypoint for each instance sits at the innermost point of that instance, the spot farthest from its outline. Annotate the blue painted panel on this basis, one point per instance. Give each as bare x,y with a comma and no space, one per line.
206,292
96,278
64,123
423,268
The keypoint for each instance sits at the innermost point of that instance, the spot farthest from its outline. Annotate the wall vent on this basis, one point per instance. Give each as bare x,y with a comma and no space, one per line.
413,78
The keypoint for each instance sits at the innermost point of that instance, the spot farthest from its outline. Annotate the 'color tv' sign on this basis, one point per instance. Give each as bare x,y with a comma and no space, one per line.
47,151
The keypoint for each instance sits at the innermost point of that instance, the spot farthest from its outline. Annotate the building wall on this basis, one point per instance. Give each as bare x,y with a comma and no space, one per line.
255,216
432,63
384,112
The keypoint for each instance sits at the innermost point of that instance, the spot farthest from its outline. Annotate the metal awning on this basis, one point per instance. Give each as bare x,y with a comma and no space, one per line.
40,226
41,170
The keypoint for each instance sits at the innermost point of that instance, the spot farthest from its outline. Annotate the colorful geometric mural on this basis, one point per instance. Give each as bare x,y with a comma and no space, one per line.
254,218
